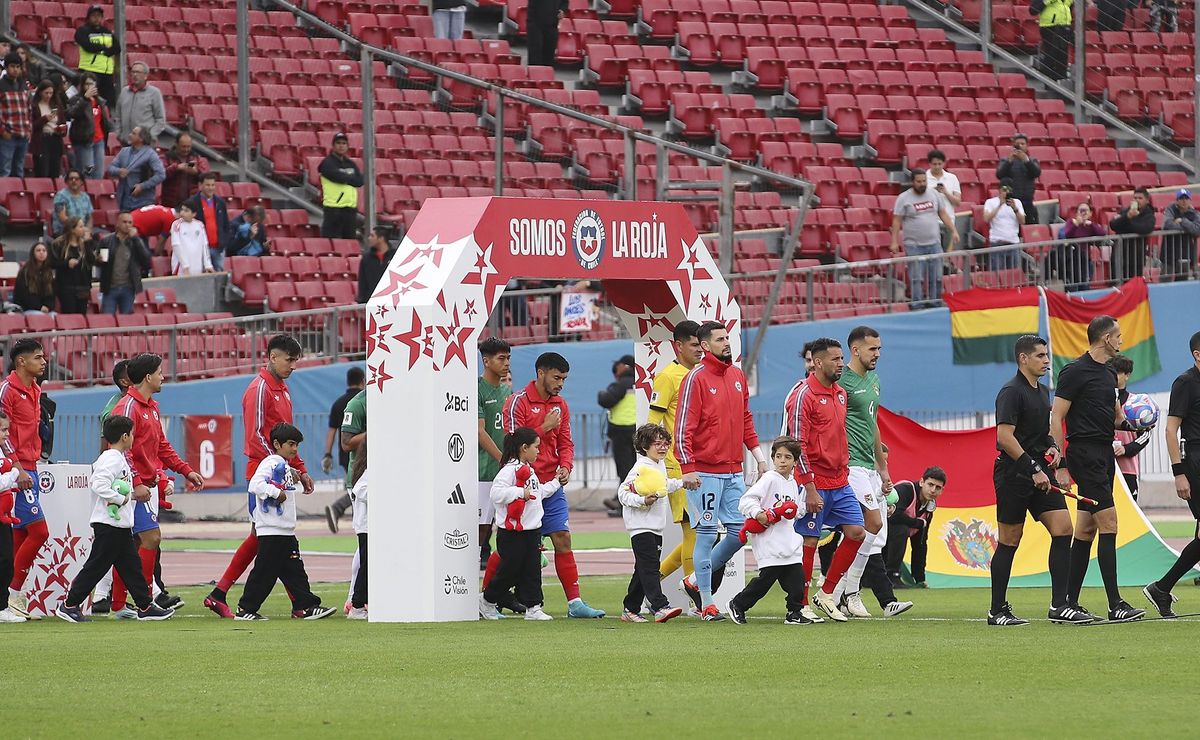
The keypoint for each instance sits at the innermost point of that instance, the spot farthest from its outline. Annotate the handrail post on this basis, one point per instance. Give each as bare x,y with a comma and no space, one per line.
243,86
661,171
173,353
499,184
368,133
1079,11
725,219
985,29
629,188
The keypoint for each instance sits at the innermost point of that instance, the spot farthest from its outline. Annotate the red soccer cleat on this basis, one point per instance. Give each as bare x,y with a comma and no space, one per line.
220,608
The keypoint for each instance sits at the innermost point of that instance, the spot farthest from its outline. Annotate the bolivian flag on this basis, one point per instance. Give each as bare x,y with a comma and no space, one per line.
1129,305
985,322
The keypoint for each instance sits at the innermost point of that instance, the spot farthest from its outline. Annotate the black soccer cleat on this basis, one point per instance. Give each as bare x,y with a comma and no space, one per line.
1069,614
167,601
797,618
101,606
1123,612
737,615
313,613
509,601
1162,600
245,616
1086,612
1004,617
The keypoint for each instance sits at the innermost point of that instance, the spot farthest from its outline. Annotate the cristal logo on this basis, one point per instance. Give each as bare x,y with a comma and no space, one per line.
456,540
588,238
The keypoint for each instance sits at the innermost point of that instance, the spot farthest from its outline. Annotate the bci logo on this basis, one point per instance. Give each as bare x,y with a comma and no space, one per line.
456,403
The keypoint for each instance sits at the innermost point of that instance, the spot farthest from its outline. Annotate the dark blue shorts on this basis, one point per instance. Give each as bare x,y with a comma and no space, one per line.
554,513
27,505
145,514
840,507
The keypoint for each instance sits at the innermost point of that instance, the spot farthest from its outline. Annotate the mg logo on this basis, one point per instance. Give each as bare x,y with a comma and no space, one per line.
455,447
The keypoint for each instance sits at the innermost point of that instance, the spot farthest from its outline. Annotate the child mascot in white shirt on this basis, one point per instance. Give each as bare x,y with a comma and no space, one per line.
644,506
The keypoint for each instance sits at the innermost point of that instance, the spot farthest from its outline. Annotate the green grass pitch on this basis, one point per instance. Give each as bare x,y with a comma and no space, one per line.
937,671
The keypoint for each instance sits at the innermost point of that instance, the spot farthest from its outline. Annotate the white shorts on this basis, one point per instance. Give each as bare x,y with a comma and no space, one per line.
359,516
487,510
868,488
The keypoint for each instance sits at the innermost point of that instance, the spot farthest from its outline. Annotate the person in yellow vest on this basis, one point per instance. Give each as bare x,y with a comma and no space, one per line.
1054,18
340,181
664,402
98,51
619,399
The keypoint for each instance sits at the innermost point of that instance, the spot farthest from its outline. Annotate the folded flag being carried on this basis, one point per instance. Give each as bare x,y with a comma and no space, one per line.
985,322
1129,305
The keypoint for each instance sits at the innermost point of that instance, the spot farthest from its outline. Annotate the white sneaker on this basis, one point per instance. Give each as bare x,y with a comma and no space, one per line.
825,603
356,613
18,604
487,610
811,614
535,614
8,616
855,606
897,607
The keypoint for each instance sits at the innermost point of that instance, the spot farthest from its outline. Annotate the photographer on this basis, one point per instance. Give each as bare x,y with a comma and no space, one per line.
87,139
184,168
1075,260
1005,214
909,521
138,171
248,234
1137,218
1022,171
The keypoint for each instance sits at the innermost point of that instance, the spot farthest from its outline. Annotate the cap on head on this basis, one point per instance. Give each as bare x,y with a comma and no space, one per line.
340,136
95,9
1183,193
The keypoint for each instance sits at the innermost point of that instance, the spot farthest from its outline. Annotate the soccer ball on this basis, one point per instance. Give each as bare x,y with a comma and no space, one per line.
1141,411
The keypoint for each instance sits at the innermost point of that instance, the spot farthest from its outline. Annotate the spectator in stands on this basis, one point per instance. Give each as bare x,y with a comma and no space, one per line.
1055,22
374,263
1023,171
918,211
124,261
1075,260
211,210
945,184
73,256
184,168
138,171
90,127
15,127
1179,250
5,48
34,287
1164,16
340,181
98,51
140,105
542,25
248,234
1005,214
62,85
34,73
48,130
71,202
1129,254
1110,14
448,19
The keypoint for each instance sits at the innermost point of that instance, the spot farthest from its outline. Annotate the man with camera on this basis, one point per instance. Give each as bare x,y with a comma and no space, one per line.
184,168
1004,214
1022,171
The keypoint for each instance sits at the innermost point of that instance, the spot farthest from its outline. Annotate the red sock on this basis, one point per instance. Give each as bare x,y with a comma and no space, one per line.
843,556
148,557
568,573
492,564
810,555
241,561
32,539
118,593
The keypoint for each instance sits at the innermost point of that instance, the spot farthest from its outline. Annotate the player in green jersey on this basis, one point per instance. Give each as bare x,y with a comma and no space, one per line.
497,357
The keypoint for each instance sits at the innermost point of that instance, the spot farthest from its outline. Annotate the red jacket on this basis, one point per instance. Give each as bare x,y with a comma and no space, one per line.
529,409
151,452
713,422
816,416
22,405
265,403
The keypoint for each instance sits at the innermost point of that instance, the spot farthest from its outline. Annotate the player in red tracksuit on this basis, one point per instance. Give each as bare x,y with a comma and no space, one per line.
815,414
150,454
20,399
265,403
540,407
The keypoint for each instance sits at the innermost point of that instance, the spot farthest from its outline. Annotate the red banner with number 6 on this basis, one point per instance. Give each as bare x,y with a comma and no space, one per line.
208,447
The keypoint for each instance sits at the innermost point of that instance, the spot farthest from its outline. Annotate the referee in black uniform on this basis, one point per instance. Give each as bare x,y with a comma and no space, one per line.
1086,399
1183,415
1022,484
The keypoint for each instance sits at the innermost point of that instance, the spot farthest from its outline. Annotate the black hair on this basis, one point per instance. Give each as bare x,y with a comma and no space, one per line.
1143,191
1122,364
859,333
142,365
514,441
284,432
806,348
210,175
73,171
285,343
552,361
707,328
493,346
915,173
824,344
933,472
355,376
120,370
646,435
1020,136
685,330
23,347
1025,345
1099,326
1006,183
791,444
936,154
115,427
187,205
1194,342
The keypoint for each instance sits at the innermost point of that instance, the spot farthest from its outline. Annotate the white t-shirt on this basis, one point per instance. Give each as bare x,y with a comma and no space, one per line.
358,499
950,181
189,248
1005,227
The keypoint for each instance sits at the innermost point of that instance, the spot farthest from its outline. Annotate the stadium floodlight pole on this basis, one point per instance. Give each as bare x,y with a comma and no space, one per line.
499,184
119,33
630,187
725,219
985,29
368,134
243,85
1079,17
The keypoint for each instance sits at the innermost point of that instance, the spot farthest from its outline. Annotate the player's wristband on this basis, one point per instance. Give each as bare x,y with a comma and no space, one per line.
758,455
1033,465
1178,469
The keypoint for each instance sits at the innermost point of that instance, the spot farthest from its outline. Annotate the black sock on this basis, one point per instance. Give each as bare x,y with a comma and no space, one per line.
1081,553
1106,558
1188,559
1060,564
1001,570
217,594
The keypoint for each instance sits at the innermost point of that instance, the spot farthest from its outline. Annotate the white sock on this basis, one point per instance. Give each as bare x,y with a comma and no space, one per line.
104,587
353,575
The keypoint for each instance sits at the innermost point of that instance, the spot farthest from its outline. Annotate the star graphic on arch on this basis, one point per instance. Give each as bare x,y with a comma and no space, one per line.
431,252
645,378
418,339
376,336
691,262
456,336
381,310
470,309
68,542
705,303
483,267
652,347
378,376
400,284
648,319
729,323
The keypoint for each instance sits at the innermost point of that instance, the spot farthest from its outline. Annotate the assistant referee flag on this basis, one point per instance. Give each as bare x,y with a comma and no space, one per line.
985,322
1129,305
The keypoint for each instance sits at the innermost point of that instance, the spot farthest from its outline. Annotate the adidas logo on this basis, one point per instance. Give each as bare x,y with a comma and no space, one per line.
456,496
